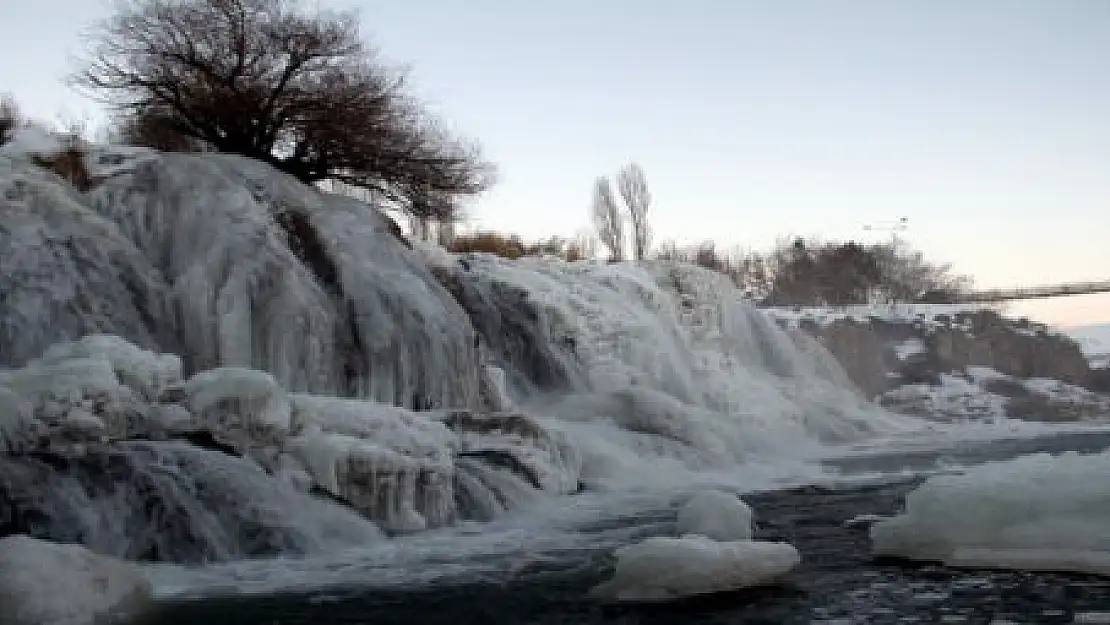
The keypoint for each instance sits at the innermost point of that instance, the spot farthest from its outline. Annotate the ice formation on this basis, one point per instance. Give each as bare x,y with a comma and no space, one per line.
1038,512
192,254
67,271
102,421
716,514
44,583
360,316
665,569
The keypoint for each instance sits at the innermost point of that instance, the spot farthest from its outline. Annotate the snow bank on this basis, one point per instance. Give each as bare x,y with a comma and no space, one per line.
44,583
956,398
664,569
926,316
1036,512
716,514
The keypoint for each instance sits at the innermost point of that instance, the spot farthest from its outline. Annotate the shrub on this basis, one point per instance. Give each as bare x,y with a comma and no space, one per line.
501,245
69,164
513,247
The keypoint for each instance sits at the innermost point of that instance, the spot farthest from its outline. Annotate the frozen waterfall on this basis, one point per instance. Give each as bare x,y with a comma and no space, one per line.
655,359
206,360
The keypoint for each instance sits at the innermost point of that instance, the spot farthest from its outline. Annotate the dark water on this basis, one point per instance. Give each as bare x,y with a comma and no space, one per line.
837,583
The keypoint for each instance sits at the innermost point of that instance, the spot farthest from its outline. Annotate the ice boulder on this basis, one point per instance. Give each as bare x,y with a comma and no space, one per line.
44,583
246,408
716,514
665,569
1038,512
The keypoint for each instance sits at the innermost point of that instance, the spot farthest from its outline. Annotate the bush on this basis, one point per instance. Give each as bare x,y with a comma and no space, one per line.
513,247
70,165
510,246
270,80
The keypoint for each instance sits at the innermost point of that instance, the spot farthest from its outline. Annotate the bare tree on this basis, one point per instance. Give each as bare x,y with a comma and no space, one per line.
608,220
633,189
9,118
270,80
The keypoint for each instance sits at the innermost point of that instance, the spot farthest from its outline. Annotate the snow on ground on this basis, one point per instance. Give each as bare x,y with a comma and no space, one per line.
956,398
1094,340
43,583
972,396
1038,512
926,315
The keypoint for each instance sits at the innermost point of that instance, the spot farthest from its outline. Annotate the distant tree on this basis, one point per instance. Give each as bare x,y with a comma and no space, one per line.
9,118
270,80
908,277
633,189
608,220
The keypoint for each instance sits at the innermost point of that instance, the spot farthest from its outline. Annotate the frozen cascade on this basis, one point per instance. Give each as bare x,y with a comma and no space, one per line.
654,359
322,368
236,241
66,271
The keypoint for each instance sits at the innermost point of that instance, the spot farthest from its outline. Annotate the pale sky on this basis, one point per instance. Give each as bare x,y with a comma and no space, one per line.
986,124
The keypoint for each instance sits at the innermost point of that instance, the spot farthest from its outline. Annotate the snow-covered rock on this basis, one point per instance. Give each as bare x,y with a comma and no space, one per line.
665,569
43,583
716,514
1036,512
921,359
986,395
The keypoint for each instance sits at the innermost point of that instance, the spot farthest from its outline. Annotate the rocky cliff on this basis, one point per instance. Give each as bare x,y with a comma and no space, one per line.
947,363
